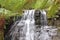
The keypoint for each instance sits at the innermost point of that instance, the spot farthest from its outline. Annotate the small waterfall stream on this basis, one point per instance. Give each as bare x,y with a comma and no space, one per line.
25,29
46,31
44,27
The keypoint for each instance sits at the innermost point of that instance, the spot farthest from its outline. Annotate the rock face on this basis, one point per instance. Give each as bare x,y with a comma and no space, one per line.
37,23
37,17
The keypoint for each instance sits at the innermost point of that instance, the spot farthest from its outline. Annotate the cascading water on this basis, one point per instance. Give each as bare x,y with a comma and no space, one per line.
25,29
46,31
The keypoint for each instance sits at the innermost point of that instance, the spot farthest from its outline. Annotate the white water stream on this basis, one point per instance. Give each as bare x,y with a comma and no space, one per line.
25,29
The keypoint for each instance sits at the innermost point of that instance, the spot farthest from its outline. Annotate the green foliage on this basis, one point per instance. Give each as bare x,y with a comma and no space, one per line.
19,5
13,5
8,13
40,4
53,9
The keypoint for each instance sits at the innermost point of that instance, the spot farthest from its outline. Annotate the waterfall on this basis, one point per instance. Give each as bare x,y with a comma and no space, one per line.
25,29
46,31
43,18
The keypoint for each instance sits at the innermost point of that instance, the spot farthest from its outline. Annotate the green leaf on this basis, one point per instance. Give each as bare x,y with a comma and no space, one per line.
40,4
52,10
